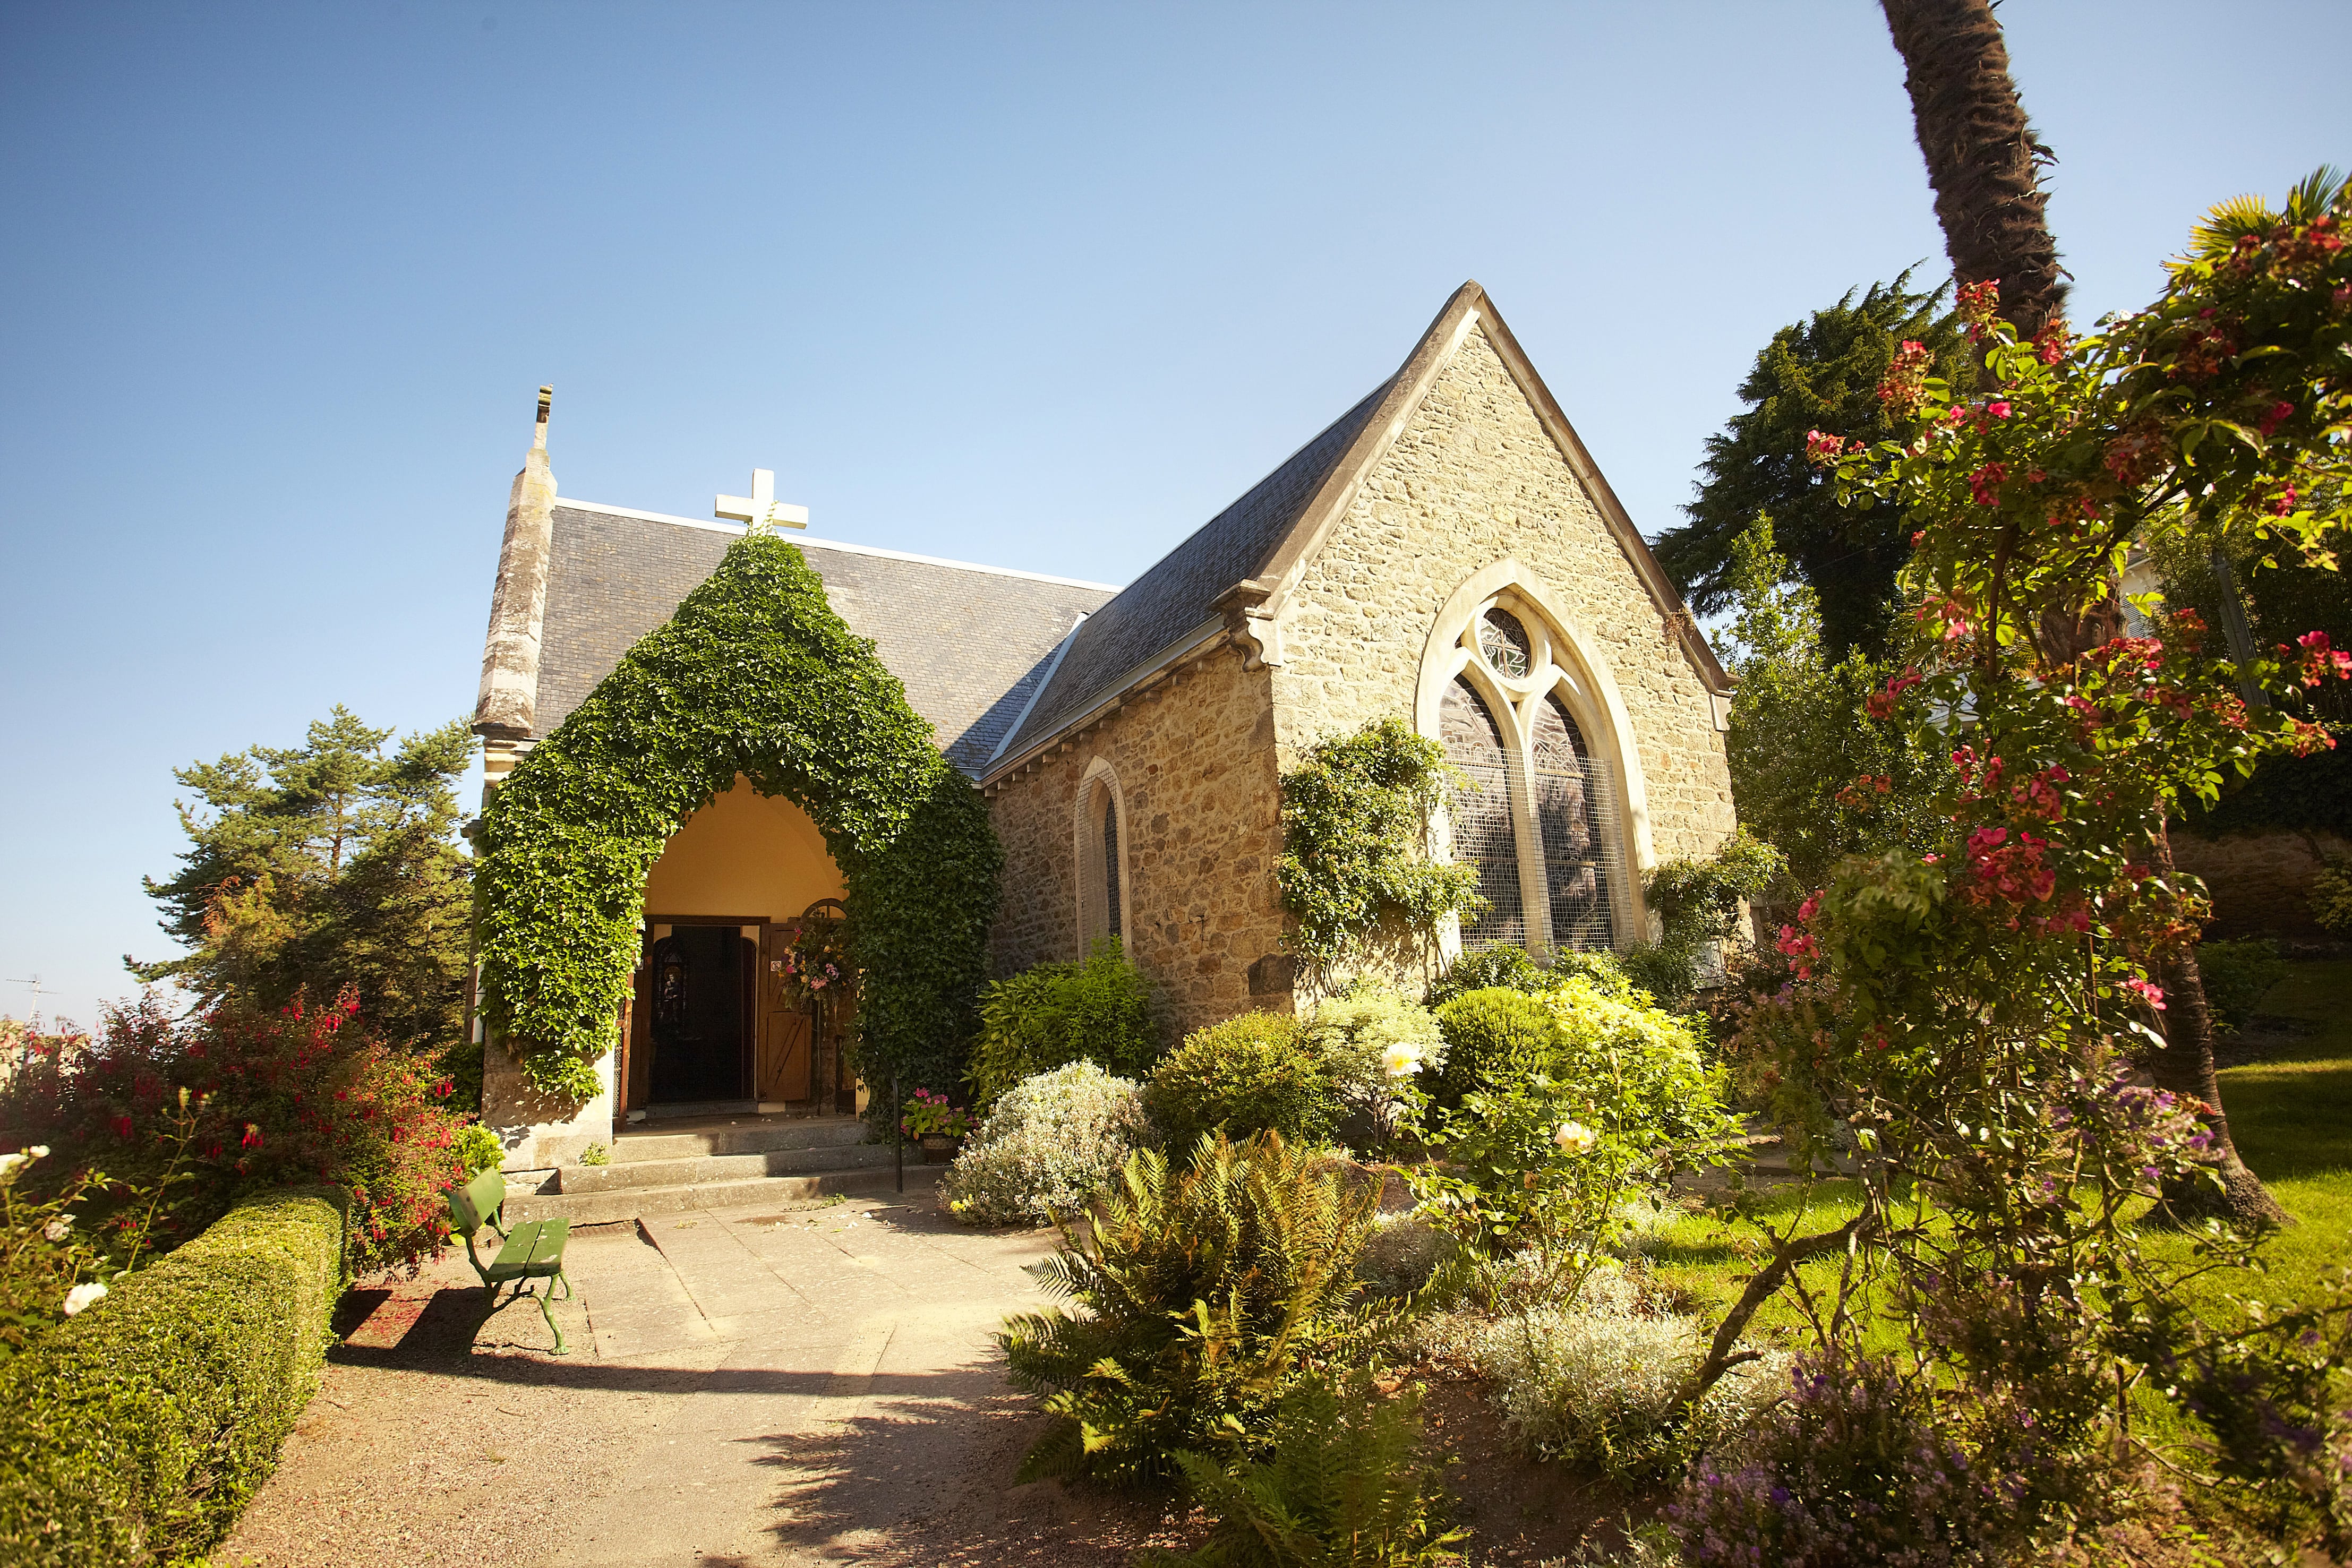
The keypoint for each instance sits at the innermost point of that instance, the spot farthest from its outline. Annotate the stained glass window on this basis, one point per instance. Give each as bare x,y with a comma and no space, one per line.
1110,861
1483,815
1505,642
1574,818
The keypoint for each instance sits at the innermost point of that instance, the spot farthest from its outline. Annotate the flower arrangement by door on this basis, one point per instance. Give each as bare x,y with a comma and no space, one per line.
814,962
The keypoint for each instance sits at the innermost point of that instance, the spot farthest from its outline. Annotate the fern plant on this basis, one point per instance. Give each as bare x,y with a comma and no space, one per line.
1344,1487
1207,1286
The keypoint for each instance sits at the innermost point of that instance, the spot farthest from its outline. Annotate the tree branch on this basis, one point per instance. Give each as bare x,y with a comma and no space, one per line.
1721,1357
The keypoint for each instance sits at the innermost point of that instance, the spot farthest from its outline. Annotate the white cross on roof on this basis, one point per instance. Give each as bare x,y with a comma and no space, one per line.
761,509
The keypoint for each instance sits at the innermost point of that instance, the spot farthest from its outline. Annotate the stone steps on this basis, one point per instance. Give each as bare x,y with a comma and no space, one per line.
744,1136
719,1160
695,1170
624,1203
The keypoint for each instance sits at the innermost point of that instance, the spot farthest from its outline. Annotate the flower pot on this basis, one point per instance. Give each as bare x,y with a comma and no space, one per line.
938,1148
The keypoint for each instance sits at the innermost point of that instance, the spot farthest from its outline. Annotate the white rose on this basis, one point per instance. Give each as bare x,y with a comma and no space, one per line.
61,1228
39,1151
1401,1061
8,1163
1574,1137
81,1296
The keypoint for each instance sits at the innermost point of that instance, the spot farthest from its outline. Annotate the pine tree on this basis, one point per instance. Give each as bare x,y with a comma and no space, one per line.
325,865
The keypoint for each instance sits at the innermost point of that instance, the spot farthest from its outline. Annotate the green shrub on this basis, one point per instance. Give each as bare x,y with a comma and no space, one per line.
1372,1038
478,1150
1252,1074
1055,1014
2237,975
1207,1285
1601,1383
1345,1488
1050,1146
1494,1036
137,1431
2331,896
1633,1072
1484,970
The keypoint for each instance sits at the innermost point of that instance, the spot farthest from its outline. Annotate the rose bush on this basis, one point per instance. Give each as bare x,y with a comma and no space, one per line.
304,1095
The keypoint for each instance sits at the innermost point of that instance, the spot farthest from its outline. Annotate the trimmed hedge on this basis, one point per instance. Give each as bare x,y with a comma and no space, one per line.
136,1432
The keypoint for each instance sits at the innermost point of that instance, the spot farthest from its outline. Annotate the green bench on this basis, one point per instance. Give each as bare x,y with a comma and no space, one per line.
533,1250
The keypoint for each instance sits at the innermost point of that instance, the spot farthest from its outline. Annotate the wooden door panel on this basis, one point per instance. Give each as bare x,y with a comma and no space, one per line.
786,1051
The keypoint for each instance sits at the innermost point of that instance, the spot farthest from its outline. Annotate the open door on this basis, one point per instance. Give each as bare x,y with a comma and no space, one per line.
702,989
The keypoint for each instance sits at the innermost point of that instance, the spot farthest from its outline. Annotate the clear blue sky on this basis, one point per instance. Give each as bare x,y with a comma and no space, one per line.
1043,286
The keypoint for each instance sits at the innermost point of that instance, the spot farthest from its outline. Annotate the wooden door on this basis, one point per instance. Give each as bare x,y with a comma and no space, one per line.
787,1047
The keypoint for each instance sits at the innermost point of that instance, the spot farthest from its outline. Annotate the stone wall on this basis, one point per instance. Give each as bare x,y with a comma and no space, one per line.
1194,758
2259,883
1474,477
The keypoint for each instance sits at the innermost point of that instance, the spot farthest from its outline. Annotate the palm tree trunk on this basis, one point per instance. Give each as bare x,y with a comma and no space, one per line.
1982,155
2185,1066
1983,160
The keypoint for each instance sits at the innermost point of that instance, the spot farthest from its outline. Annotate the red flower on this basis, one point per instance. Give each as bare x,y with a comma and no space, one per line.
2277,415
1905,385
252,1139
122,1127
1984,484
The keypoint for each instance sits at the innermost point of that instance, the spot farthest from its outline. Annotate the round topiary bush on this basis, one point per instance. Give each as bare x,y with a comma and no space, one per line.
1052,1143
1252,1074
1494,1037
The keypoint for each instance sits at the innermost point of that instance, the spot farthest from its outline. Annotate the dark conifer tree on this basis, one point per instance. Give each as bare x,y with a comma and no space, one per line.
1820,374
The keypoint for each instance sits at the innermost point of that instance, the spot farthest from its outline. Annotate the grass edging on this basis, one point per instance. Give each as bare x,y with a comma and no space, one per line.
136,1432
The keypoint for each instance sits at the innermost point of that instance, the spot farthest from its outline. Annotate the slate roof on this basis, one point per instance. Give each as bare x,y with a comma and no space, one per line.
1169,605
969,643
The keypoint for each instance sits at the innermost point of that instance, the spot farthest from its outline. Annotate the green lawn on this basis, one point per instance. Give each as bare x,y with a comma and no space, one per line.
2292,1118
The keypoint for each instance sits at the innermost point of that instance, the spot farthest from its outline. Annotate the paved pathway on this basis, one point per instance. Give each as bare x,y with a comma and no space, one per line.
748,1387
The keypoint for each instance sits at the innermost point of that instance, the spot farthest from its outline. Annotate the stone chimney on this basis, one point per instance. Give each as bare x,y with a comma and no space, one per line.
507,711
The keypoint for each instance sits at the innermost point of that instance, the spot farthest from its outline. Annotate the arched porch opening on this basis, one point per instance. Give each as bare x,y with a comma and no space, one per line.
719,1015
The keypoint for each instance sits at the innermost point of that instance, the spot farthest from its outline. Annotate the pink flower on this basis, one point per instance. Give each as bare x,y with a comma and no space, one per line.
2152,995
1823,450
2277,415
1904,387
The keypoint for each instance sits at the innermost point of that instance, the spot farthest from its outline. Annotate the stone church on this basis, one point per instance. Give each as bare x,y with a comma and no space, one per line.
1445,552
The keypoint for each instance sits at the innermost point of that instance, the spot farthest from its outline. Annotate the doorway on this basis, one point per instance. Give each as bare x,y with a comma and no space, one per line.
703,985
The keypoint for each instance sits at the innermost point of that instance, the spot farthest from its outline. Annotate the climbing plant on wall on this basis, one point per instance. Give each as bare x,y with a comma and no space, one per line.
1356,867
757,675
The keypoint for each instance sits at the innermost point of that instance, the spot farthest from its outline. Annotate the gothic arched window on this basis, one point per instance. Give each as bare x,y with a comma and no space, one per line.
1538,816
1570,787
1101,860
1484,816
1110,861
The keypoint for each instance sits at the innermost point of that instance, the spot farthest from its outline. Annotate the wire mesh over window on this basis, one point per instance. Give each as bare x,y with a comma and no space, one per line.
1576,817
1483,812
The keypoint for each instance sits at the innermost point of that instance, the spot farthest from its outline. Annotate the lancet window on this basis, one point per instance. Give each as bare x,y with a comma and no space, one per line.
1101,859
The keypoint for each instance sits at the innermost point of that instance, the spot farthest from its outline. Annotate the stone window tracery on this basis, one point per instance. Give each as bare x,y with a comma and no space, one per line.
1540,814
